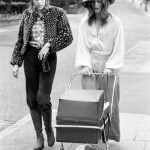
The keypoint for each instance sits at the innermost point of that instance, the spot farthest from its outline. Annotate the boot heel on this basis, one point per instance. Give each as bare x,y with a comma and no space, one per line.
39,144
50,139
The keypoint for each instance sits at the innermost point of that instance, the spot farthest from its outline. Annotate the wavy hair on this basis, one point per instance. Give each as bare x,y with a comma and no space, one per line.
32,7
104,14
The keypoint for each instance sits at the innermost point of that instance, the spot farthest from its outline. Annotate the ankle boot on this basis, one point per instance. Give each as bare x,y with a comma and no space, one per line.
50,138
37,122
39,145
47,117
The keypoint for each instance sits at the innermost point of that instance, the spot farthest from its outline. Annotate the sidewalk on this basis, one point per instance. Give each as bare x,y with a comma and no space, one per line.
141,5
135,128
135,132
21,136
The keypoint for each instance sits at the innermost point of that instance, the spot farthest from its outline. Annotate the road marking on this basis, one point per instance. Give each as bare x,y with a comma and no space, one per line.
138,60
134,47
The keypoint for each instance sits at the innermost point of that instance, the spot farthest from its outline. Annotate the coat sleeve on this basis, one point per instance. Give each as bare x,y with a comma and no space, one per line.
16,58
83,57
64,35
116,60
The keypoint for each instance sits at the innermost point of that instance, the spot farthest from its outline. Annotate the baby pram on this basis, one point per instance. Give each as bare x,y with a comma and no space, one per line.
84,116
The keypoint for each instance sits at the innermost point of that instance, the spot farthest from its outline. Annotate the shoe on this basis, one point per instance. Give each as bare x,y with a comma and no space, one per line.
47,117
37,122
39,144
50,139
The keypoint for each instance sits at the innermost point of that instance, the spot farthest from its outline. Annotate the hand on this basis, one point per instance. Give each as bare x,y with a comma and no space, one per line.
43,51
85,71
15,71
107,71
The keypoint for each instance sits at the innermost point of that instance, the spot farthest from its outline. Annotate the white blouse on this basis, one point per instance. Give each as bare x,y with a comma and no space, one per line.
109,41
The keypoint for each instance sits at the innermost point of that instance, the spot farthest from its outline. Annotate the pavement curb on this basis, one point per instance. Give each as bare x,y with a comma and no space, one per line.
15,126
22,122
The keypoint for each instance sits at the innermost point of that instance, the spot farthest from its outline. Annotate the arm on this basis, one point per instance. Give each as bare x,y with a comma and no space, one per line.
16,56
116,60
64,36
83,57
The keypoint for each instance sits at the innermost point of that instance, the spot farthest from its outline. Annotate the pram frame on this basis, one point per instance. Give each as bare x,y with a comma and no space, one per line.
106,105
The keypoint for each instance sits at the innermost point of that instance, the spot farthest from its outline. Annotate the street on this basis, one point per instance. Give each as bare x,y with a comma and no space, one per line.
135,85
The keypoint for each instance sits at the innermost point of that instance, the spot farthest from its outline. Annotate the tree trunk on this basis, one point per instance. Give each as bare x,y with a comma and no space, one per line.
146,2
8,8
67,5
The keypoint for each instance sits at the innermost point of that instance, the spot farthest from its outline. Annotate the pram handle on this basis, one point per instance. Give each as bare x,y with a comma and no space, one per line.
112,74
75,74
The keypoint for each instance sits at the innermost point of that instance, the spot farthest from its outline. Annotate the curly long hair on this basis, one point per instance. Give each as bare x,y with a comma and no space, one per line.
104,14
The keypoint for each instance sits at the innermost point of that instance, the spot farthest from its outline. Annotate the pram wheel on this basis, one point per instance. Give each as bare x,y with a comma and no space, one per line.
62,146
103,146
107,145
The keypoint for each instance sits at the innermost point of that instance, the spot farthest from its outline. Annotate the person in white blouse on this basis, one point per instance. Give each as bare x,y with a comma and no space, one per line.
101,49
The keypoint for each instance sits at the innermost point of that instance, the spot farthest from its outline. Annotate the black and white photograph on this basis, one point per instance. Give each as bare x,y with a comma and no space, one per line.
75,75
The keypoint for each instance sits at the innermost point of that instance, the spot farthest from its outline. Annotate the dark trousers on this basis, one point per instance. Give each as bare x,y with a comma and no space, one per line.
38,83
95,82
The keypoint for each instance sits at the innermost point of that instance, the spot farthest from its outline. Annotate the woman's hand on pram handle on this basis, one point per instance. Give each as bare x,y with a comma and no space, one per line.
85,71
108,71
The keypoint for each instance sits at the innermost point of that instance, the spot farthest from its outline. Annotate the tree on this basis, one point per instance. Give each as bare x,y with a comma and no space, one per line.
65,3
8,6
146,3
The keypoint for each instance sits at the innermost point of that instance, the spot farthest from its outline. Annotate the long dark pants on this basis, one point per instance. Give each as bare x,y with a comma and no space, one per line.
94,82
38,87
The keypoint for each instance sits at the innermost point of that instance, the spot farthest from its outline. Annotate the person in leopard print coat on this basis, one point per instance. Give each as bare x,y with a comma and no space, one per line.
44,30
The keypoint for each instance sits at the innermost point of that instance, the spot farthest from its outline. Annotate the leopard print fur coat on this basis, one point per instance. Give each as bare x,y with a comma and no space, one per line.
57,33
